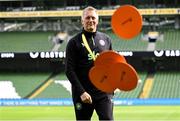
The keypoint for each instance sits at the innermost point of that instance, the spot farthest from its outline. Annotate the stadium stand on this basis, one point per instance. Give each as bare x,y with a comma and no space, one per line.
135,44
31,41
56,90
60,88
7,90
170,42
166,85
23,82
34,33
134,93
25,41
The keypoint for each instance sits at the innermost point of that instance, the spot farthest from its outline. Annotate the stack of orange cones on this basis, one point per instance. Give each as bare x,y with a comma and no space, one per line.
111,71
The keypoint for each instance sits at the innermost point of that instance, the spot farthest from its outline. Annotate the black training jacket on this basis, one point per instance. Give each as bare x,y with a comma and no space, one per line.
79,62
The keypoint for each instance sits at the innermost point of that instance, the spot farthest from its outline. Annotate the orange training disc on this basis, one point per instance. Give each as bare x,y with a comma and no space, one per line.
126,22
124,75
111,71
99,76
108,58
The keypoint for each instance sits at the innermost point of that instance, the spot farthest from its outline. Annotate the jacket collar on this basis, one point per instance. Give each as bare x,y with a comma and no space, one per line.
88,34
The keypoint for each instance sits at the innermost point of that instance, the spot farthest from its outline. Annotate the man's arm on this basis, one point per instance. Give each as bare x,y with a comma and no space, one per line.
70,64
110,42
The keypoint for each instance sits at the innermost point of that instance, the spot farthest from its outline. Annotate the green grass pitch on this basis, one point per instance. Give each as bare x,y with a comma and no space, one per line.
121,113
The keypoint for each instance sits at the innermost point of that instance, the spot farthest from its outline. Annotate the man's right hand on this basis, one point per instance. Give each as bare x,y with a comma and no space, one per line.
86,98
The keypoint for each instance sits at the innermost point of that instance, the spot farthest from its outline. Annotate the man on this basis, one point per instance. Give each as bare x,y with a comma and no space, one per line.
79,60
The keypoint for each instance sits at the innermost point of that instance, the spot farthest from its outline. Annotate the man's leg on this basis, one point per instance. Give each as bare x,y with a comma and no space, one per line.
83,111
104,108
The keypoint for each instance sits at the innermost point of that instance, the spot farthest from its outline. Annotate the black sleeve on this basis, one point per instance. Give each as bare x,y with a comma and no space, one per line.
70,65
110,48
110,42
